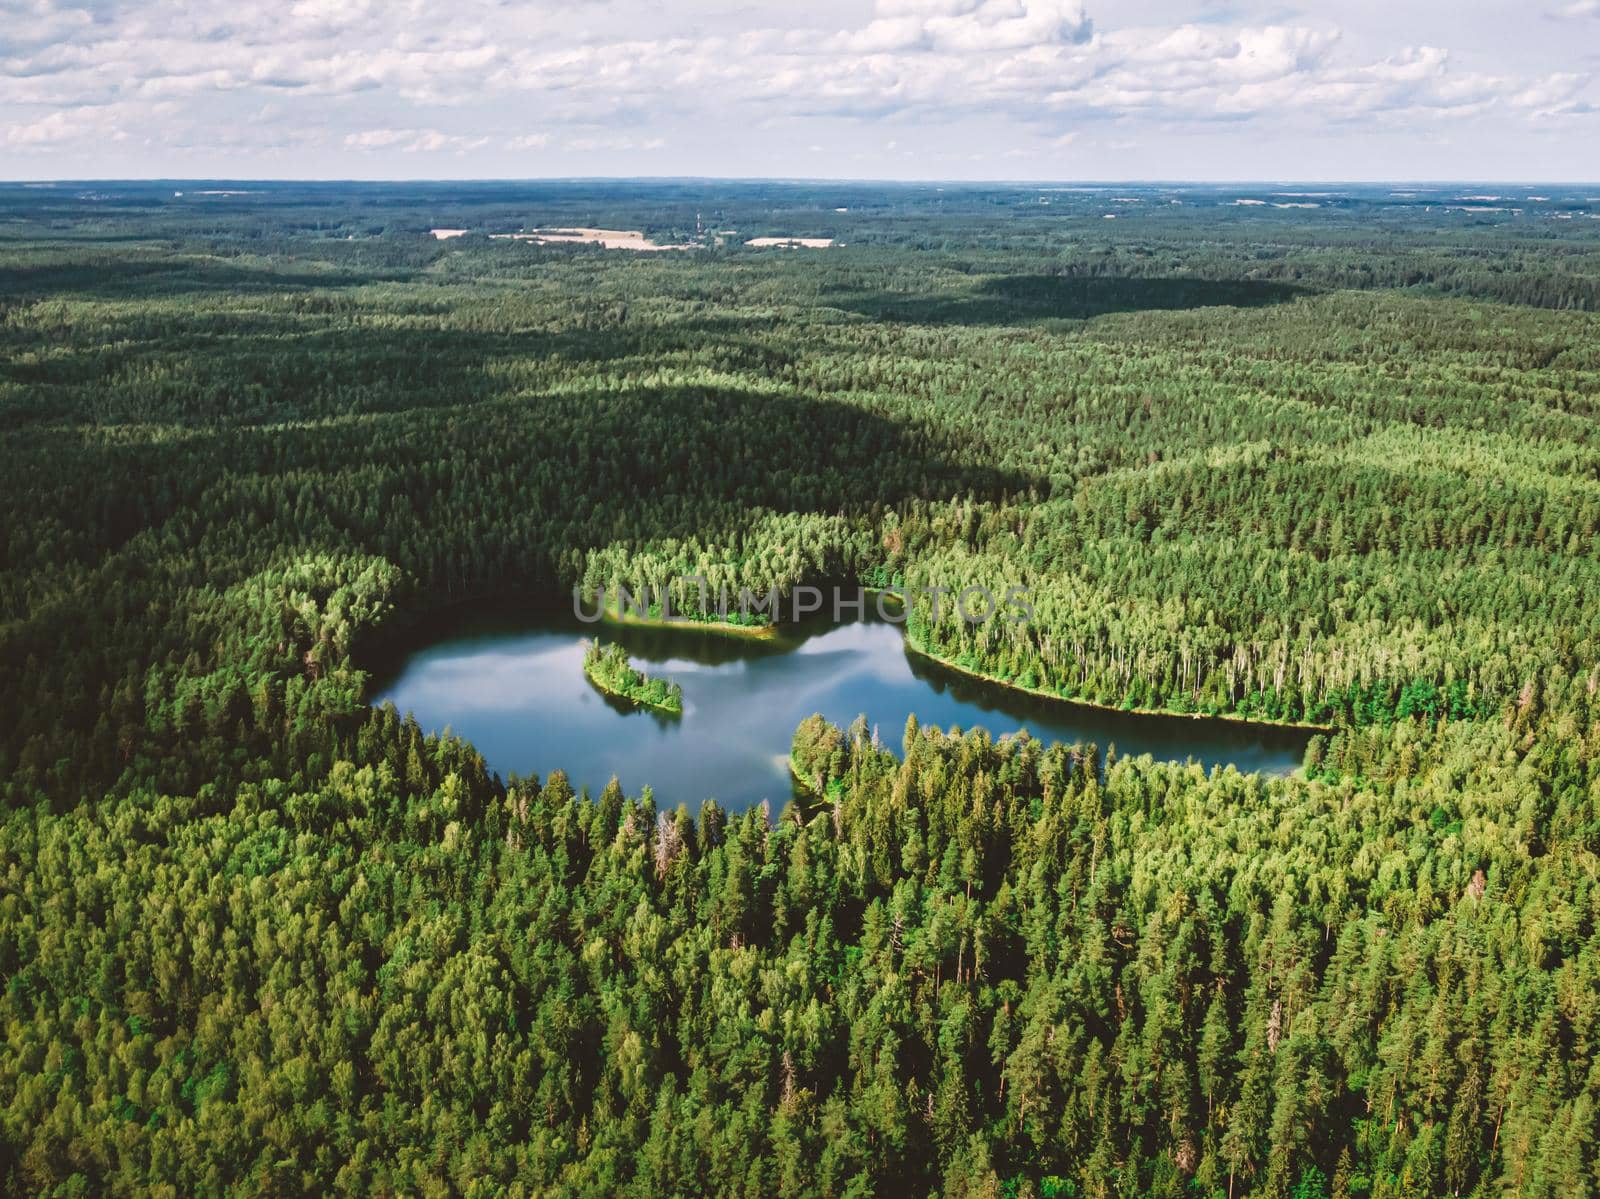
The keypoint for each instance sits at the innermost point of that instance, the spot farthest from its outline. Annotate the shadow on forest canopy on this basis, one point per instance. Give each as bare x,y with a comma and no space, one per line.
164,278
1028,299
544,477
240,368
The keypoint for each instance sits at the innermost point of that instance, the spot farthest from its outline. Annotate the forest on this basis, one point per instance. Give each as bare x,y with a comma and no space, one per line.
1333,466
608,668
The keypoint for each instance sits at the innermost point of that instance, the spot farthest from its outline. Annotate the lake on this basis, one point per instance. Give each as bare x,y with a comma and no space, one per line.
512,682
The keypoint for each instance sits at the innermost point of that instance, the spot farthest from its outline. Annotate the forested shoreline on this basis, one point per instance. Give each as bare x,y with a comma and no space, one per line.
1335,468
608,668
1126,706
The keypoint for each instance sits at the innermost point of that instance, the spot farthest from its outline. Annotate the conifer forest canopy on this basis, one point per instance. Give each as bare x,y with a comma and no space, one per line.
1301,454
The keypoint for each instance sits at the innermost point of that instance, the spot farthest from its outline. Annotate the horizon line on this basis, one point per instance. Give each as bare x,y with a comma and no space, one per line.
1463,181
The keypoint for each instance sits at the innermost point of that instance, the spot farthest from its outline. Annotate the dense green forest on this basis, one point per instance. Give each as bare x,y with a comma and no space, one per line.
1336,466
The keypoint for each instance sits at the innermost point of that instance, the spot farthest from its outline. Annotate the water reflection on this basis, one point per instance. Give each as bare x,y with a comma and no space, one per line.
511,681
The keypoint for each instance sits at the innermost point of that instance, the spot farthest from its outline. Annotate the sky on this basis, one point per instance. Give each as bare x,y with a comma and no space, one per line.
871,89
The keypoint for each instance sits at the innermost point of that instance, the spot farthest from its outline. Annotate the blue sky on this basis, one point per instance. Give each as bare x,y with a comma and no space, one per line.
903,89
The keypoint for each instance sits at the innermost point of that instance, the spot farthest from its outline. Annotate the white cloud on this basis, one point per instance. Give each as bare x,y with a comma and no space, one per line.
412,141
588,145
401,78
33,24
56,127
98,123
1008,25
923,9
961,26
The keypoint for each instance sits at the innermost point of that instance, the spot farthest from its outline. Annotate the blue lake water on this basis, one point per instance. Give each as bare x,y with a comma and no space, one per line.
512,682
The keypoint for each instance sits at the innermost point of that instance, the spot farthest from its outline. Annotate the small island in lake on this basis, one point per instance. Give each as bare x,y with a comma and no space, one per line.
608,668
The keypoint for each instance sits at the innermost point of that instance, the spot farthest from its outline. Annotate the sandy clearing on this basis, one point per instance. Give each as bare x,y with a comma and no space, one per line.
446,234
807,243
609,239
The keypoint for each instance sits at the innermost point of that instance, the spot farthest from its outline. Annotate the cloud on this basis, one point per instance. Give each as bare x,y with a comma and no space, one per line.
100,123
1011,25
412,141
34,24
588,145
56,127
403,78
969,25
